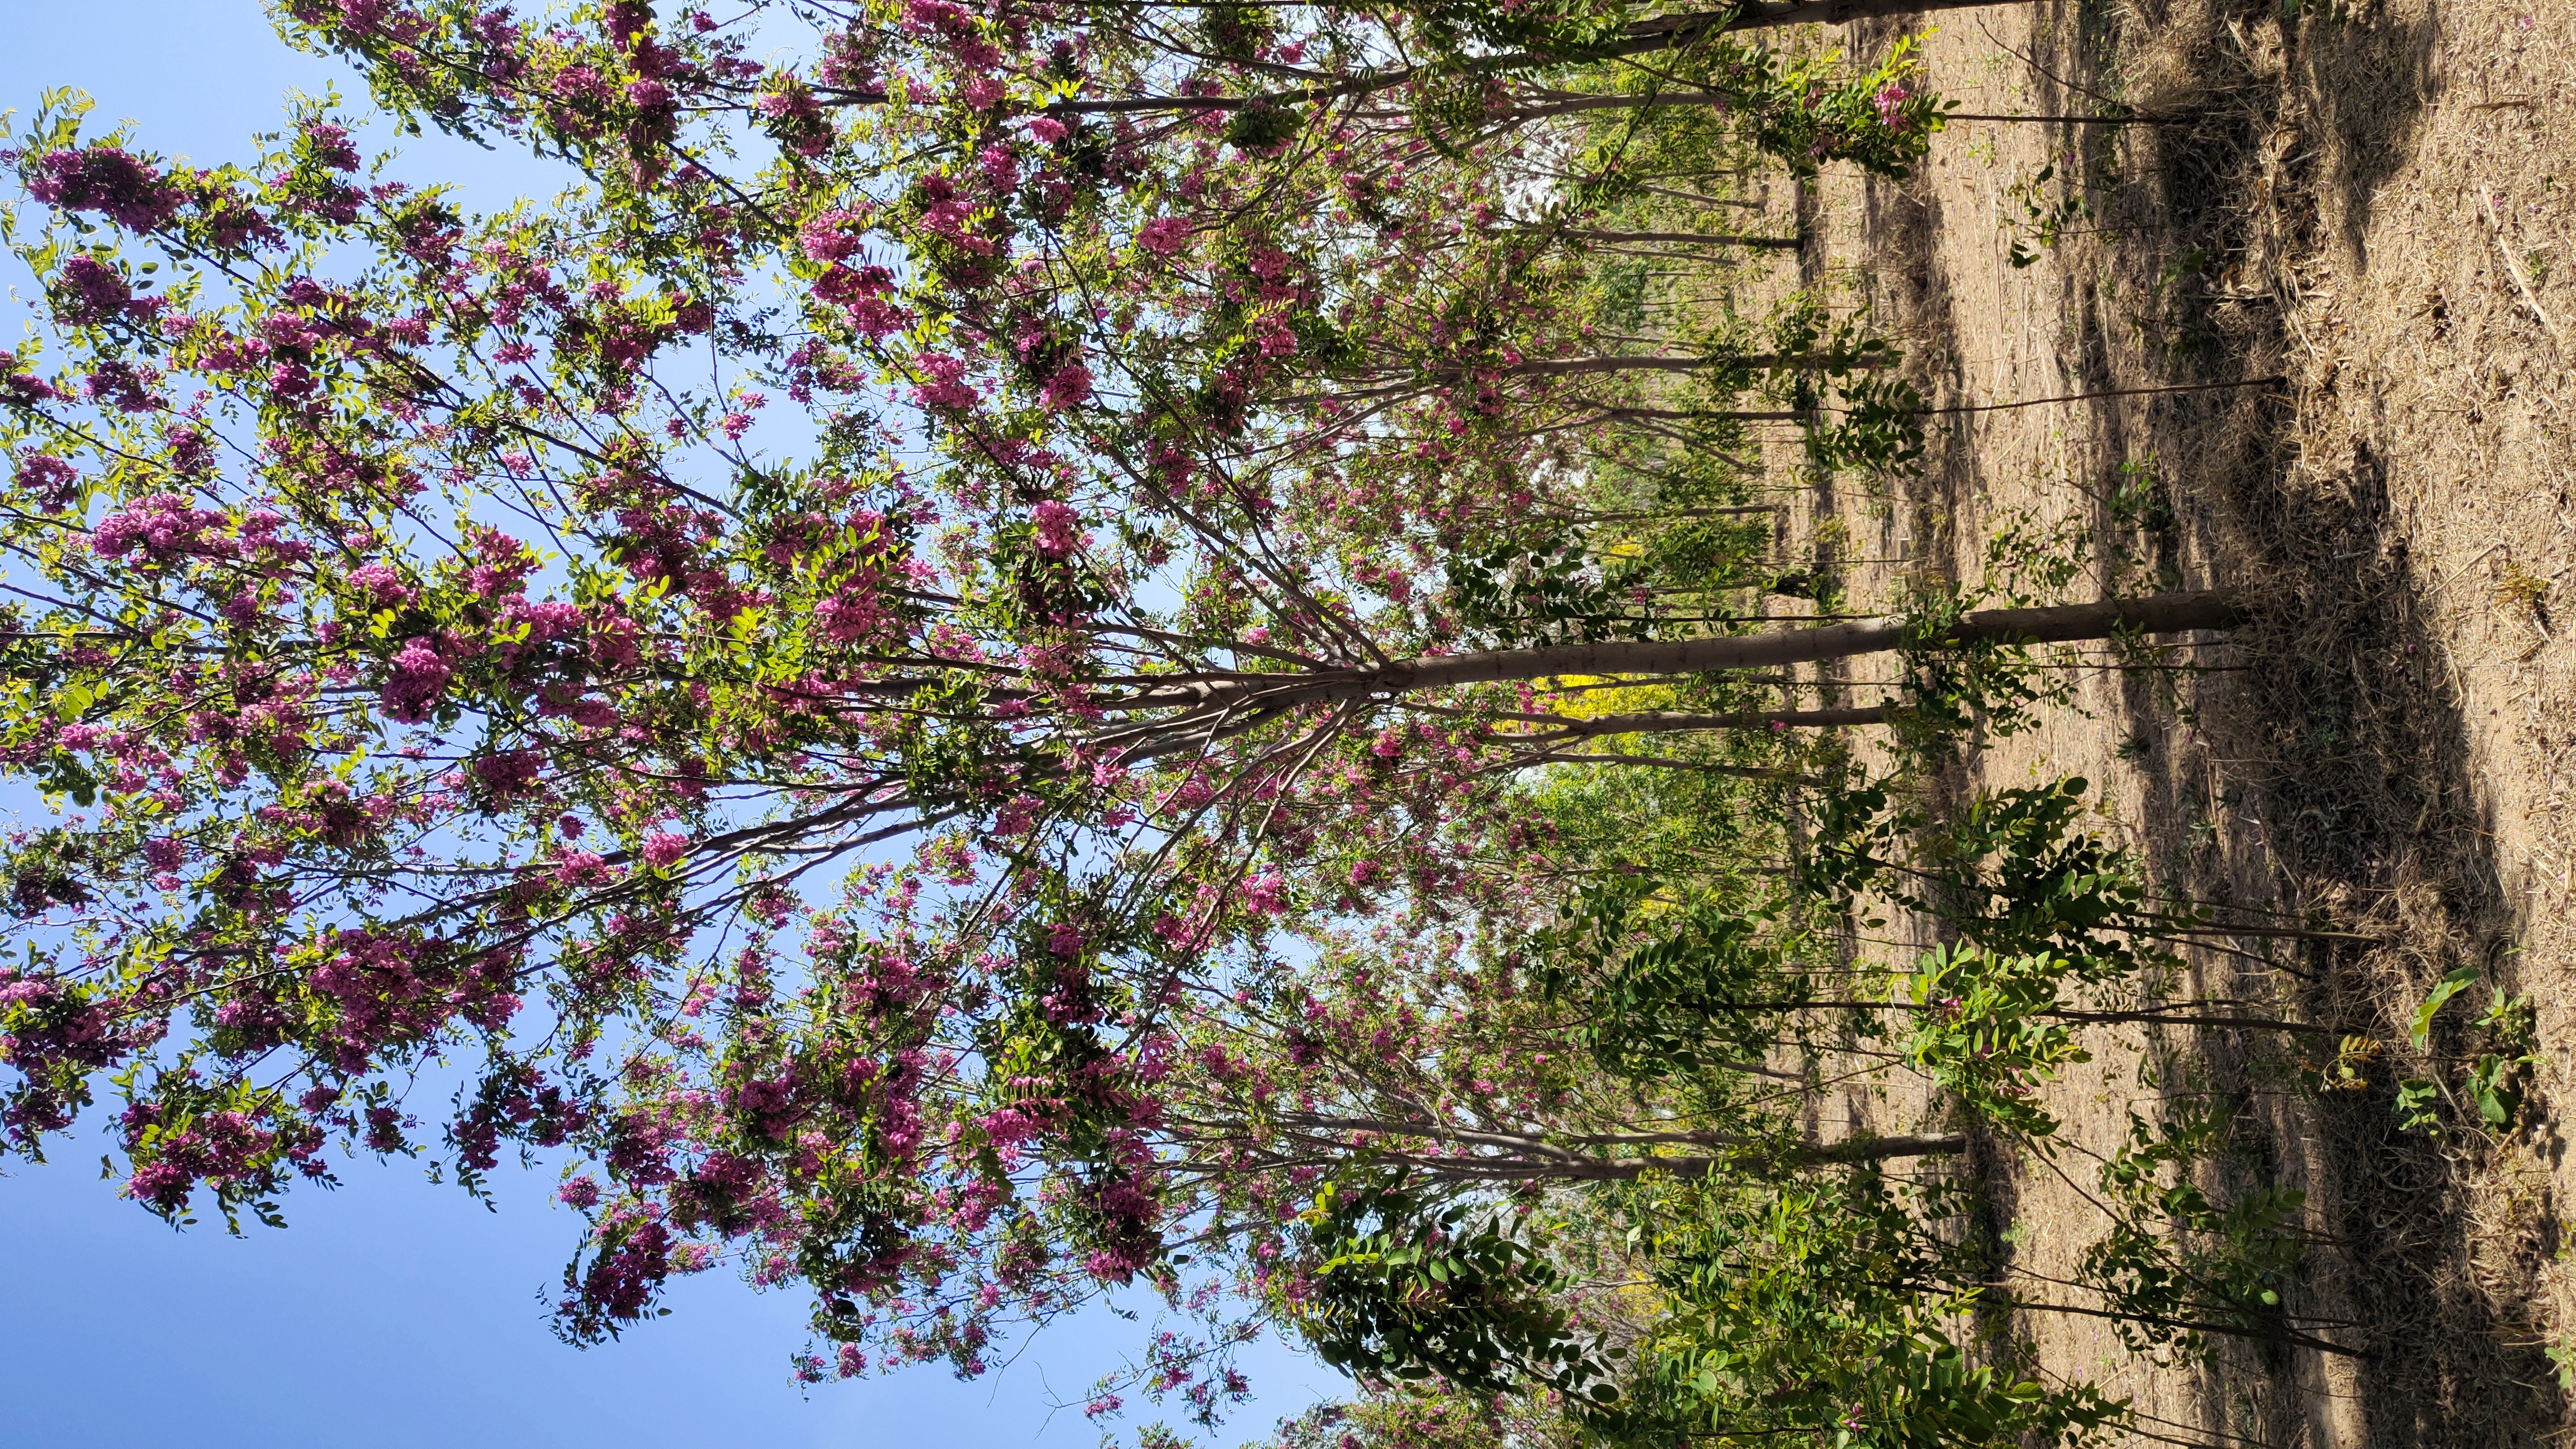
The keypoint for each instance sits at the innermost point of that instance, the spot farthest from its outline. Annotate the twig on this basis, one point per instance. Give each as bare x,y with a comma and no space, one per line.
2513,269
2076,120
2454,576
2114,392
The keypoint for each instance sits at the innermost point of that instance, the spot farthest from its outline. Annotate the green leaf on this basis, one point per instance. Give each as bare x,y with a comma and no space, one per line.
2415,1098
2443,990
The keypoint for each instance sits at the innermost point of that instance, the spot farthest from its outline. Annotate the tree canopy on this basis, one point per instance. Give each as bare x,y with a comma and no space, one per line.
1032,648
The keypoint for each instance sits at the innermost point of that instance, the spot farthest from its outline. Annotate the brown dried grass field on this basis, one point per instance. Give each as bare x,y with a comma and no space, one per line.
2387,751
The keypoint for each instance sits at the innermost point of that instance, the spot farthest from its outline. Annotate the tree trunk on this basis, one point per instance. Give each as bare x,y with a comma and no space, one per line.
1664,32
1758,361
2055,624
1662,723
1559,1169
1429,376
1680,238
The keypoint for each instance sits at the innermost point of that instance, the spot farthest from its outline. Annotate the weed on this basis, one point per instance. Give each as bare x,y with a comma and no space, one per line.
2498,1076
2029,562
2046,220
2519,589
2347,1072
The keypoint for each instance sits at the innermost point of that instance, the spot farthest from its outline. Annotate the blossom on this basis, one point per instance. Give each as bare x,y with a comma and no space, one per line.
419,677
663,849
383,585
828,236
162,527
1068,388
1890,101
944,385
105,179
580,867
1164,236
1266,894
1057,529
1000,165
97,292
48,477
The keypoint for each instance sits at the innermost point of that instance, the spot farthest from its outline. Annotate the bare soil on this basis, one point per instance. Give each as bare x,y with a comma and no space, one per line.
2357,226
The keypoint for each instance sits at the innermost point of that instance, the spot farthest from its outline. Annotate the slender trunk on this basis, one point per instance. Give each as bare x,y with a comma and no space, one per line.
2071,1014
1428,377
1657,516
2077,120
1663,723
1758,361
1659,762
1677,238
2054,624
1731,510
1645,37
2287,1336
1857,1149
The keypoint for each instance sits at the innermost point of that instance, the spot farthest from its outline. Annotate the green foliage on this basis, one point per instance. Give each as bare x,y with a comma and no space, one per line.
1952,685
1617,293
2497,1078
1662,990
1880,426
1408,1288
1527,597
1820,1312
2176,1263
2011,873
1982,1030
2044,220
2028,562
1710,554
2421,1026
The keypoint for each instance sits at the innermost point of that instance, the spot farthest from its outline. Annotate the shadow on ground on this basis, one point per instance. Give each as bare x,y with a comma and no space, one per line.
2322,772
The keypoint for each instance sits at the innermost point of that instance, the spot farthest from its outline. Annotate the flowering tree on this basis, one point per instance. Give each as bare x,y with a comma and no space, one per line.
875,865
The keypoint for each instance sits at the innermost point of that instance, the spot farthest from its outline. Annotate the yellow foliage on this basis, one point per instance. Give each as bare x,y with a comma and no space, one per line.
1594,703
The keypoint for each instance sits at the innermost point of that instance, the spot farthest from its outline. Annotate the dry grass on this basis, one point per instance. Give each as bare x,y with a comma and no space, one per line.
2385,749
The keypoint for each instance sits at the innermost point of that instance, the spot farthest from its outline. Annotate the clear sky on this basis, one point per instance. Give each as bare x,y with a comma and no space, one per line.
396,1313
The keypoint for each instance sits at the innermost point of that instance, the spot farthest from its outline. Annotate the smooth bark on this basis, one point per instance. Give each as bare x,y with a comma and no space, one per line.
2053,624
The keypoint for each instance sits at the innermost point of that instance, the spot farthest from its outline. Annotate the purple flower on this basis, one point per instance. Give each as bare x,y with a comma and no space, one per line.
383,585
98,293
108,180
1057,529
580,867
1069,388
419,677
1164,236
946,387
1891,101
1266,894
48,477
827,237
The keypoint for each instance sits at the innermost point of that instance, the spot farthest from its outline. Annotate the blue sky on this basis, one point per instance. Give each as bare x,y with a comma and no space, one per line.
396,1312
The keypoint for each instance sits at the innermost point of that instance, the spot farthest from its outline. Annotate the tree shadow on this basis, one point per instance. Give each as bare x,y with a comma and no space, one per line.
2323,773
2327,776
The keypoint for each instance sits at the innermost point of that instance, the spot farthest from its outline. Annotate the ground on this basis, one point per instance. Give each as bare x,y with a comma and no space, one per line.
2348,231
